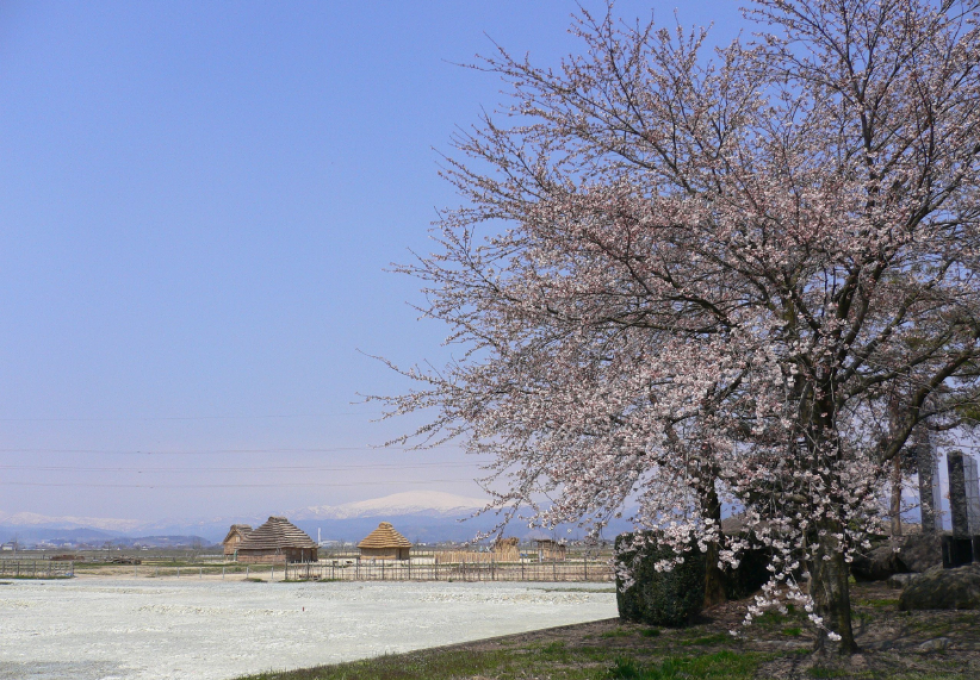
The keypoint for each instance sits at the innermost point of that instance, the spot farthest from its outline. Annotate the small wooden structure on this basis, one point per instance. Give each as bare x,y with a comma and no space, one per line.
506,549
549,550
277,541
236,535
384,543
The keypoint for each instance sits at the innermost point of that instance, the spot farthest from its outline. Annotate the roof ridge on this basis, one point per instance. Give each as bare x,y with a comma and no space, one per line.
385,536
277,532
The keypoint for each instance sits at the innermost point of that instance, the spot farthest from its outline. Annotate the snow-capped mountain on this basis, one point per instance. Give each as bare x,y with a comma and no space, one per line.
32,519
431,503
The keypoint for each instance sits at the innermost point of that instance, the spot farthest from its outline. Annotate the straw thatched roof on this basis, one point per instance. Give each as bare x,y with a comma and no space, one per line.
241,529
275,534
384,536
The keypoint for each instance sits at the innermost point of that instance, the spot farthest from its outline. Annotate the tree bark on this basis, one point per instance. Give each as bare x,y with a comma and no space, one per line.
896,500
714,577
830,591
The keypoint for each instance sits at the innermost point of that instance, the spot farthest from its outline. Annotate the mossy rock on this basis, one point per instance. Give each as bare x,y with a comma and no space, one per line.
879,564
676,597
660,598
941,588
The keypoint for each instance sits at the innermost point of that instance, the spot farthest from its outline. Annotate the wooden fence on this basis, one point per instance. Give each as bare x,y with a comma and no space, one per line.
570,570
584,570
36,569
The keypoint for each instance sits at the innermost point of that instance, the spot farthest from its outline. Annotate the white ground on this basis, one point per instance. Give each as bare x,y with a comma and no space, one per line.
114,630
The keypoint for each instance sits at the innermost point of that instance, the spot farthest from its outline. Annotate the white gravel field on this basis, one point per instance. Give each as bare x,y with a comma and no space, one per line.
112,629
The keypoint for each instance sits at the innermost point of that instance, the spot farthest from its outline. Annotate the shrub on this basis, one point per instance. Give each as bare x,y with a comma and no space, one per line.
752,574
660,598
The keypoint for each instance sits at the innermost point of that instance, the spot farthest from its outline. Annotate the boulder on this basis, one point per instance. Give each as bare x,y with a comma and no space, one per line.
660,598
940,644
877,565
921,552
941,588
899,581
676,597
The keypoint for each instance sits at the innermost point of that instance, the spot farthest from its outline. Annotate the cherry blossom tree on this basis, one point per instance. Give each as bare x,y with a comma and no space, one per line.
681,277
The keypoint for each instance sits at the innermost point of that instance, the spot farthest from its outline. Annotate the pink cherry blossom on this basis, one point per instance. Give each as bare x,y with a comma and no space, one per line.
680,277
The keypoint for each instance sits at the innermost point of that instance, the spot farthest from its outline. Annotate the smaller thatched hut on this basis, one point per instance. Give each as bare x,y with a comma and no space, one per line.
384,543
506,549
236,535
549,550
277,541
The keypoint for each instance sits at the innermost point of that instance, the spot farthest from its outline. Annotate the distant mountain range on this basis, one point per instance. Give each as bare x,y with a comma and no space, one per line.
32,519
422,516
429,503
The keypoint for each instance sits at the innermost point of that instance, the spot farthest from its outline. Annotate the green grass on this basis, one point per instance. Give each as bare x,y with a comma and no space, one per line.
774,619
552,660
880,603
793,632
717,666
627,669
823,672
449,664
715,639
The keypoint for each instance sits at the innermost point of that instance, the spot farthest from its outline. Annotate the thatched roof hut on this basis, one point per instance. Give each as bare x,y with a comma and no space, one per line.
506,549
549,550
384,543
236,535
277,541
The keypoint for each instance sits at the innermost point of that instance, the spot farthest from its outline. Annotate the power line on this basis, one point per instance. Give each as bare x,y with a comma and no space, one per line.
199,452
239,469
166,418
233,486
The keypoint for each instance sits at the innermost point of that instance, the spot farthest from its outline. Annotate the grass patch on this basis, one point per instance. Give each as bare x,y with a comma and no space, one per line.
716,639
253,580
863,617
879,603
449,664
550,660
650,632
618,633
717,666
774,619
625,668
793,632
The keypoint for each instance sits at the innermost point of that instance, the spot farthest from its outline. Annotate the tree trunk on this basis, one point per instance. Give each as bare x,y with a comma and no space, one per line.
714,577
896,501
830,591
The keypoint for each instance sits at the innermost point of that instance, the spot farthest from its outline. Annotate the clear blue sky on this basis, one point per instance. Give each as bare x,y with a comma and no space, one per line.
198,202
